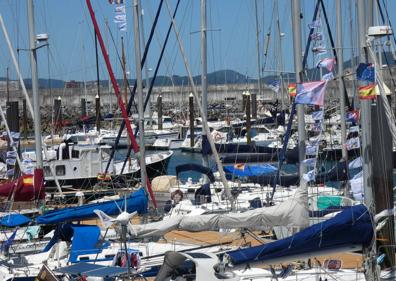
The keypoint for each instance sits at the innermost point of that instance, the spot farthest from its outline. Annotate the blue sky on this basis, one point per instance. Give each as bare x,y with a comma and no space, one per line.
231,43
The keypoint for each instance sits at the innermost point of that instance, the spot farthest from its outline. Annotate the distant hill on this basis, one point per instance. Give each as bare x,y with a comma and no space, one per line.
220,77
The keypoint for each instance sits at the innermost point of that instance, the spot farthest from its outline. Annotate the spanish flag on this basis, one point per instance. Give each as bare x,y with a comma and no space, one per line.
292,88
367,92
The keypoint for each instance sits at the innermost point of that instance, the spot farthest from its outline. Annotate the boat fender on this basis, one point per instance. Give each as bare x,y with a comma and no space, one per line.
104,177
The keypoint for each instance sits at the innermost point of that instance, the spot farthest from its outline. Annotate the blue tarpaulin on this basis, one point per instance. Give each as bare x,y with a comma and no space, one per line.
351,227
247,170
12,220
94,270
85,240
137,201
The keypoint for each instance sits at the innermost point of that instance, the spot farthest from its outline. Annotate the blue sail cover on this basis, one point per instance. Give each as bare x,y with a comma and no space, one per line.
248,170
351,227
12,220
137,201
196,168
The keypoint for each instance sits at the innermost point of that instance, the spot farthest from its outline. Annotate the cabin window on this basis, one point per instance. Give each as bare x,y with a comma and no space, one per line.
60,170
75,154
47,171
84,258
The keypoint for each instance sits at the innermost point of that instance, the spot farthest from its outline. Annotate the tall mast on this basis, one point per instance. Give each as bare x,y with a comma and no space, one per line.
204,82
365,107
341,89
136,9
296,20
8,87
146,69
365,114
258,54
123,59
36,100
97,100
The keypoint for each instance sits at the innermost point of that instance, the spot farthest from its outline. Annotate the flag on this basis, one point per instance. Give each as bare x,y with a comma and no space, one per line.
315,24
352,143
310,162
317,115
352,116
326,62
310,176
274,85
120,18
311,150
15,136
292,89
10,173
120,10
367,92
311,93
317,36
365,72
328,76
11,161
12,154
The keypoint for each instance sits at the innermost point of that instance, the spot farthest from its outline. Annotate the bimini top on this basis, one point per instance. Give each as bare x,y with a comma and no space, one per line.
196,168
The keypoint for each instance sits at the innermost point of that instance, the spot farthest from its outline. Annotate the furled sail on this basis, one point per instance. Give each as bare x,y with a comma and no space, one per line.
291,212
137,201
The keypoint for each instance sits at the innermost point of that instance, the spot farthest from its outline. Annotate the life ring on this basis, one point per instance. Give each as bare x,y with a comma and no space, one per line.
239,166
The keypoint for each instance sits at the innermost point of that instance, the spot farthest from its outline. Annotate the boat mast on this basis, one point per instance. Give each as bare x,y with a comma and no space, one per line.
296,23
36,100
136,9
365,115
146,72
204,69
258,61
365,106
204,120
341,88
97,99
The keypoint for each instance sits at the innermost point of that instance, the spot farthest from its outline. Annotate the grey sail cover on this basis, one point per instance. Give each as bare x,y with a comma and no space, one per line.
292,212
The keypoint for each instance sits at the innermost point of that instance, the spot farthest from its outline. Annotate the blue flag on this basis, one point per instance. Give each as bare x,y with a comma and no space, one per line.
274,85
366,72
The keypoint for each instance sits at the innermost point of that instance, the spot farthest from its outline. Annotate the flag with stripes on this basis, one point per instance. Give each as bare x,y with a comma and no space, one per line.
367,92
292,89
